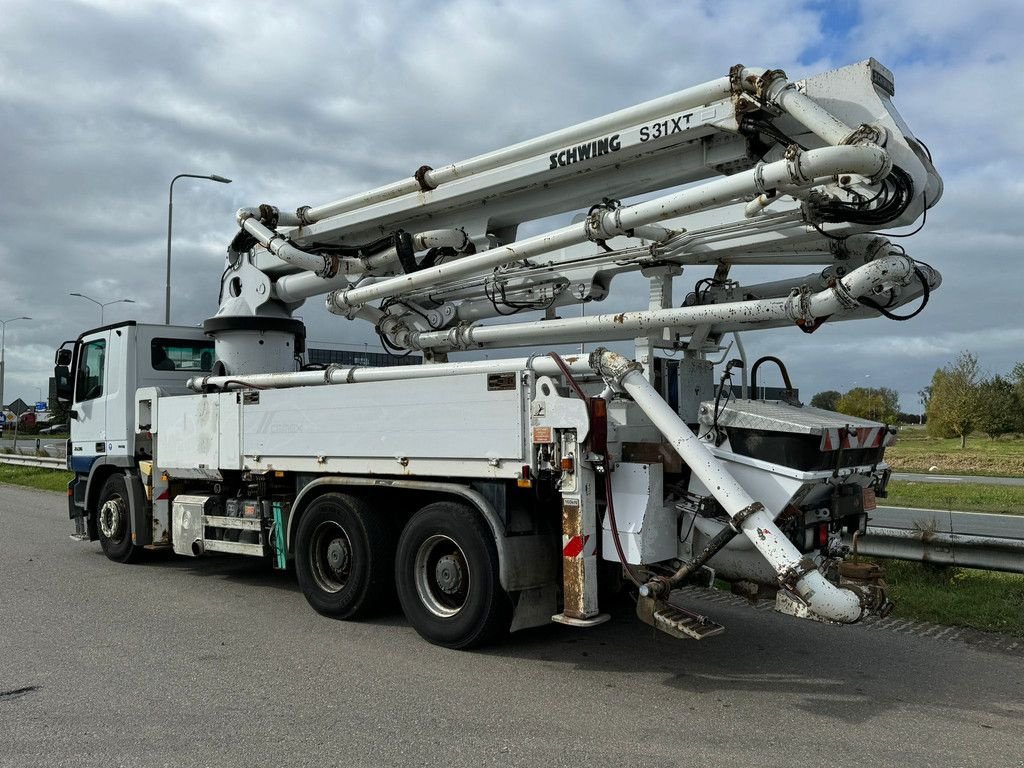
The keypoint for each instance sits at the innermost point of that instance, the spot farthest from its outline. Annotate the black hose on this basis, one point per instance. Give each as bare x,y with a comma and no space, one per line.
790,392
717,543
925,294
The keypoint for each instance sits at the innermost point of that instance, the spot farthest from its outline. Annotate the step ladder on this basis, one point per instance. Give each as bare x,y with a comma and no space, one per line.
248,524
676,621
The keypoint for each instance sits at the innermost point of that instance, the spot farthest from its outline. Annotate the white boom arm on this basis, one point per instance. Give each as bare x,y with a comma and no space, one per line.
806,170
747,169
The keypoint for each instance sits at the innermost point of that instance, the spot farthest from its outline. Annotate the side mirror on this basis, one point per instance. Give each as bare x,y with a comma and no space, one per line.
63,386
63,357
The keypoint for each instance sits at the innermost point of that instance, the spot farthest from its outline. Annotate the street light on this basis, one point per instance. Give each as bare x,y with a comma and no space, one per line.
170,210
3,345
102,304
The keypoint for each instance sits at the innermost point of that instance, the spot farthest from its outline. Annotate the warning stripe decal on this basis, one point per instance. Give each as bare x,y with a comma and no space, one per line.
573,546
832,439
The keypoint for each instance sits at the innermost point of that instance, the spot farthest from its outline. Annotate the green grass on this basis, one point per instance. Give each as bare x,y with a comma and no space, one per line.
35,477
961,597
916,452
966,497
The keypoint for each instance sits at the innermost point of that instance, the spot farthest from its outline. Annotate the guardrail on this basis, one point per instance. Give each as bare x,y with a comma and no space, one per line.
49,462
963,539
986,552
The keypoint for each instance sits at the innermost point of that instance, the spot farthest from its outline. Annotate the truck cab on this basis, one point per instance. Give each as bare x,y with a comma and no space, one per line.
99,374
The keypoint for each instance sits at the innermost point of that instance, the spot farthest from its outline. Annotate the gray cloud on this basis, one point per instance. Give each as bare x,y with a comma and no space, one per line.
102,103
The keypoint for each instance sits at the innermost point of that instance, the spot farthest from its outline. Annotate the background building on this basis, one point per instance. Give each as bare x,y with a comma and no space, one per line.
348,357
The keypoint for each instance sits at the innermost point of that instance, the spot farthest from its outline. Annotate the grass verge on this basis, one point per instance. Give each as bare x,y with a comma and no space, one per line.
962,597
966,497
914,451
35,477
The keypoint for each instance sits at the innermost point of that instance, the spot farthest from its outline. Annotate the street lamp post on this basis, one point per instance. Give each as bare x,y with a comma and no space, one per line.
3,345
102,304
170,219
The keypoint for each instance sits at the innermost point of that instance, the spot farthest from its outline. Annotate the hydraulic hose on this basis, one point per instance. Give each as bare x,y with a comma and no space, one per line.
606,470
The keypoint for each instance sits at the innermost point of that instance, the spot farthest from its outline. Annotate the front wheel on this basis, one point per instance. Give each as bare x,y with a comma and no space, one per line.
114,523
446,572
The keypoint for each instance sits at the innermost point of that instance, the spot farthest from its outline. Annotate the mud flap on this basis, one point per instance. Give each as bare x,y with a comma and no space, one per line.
142,530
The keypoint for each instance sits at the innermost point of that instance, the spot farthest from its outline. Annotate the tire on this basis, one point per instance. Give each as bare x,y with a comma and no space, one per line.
446,572
114,522
344,557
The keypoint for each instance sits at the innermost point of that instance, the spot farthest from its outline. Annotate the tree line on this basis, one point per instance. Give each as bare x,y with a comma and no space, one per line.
875,403
960,400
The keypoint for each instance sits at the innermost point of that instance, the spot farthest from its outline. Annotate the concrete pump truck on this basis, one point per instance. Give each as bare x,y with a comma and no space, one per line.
496,494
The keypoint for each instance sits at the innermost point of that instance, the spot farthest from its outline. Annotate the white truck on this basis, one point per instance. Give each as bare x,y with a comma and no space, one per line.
497,494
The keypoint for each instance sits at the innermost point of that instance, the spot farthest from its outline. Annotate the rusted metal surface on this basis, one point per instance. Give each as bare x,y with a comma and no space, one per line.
751,509
426,185
573,569
573,583
652,453
675,620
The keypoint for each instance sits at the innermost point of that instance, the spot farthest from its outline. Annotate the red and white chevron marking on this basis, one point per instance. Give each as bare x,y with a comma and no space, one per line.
862,437
578,546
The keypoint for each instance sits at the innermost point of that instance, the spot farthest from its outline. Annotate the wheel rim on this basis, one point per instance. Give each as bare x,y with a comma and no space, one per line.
442,576
330,556
112,518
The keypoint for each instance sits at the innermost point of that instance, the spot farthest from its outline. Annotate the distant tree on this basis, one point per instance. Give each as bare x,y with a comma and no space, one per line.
1017,379
998,407
1017,374
925,395
826,399
953,407
60,412
881,404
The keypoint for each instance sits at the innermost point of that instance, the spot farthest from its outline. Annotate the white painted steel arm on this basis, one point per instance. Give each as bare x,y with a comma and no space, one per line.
798,169
690,98
278,244
824,598
305,284
807,309
808,112
541,365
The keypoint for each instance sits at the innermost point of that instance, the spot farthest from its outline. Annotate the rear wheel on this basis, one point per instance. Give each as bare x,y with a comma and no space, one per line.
343,557
446,572
114,521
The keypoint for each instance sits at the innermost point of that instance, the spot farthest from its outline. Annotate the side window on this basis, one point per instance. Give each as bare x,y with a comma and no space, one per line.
90,370
181,355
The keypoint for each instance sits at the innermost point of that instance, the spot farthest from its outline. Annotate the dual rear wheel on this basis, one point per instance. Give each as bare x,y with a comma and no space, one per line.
443,565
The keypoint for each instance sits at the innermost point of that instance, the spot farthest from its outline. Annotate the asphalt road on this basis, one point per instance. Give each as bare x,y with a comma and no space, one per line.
220,662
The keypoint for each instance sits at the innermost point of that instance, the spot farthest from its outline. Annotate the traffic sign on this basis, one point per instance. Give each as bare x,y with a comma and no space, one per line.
41,405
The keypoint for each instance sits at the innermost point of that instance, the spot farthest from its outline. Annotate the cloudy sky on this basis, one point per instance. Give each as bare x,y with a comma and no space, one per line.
103,102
